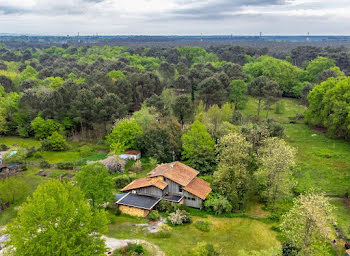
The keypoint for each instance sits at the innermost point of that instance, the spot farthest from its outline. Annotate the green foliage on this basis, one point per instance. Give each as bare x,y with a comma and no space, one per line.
329,103
123,180
265,90
3,147
183,109
162,140
282,72
55,142
308,224
197,55
54,82
238,95
232,178
317,66
44,164
13,189
179,217
15,155
219,204
203,249
202,225
199,148
164,206
154,215
65,225
275,159
96,184
44,128
85,151
65,165
116,74
280,107
125,133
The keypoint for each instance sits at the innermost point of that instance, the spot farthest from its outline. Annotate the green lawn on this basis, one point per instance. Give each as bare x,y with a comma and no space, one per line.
292,108
22,142
322,162
229,235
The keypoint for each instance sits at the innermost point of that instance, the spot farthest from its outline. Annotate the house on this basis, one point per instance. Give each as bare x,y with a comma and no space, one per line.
131,154
174,182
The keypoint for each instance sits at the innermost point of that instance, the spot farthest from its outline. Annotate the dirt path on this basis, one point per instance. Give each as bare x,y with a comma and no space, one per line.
114,244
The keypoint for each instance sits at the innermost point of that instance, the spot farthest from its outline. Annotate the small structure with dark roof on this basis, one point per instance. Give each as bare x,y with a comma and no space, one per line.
174,182
137,205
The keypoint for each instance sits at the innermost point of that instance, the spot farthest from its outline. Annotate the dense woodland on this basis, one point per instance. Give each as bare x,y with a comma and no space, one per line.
185,104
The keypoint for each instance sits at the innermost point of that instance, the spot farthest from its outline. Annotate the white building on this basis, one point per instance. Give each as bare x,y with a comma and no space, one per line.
131,154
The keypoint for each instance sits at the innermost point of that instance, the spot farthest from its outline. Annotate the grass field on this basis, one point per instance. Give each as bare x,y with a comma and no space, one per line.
322,163
228,235
22,142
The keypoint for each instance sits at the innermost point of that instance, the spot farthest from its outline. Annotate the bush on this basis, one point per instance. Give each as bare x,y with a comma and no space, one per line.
164,206
179,217
203,249
65,165
44,164
3,147
202,225
218,204
118,212
135,248
154,215
123,180
16,155
36,155
55,142
85,151
136,167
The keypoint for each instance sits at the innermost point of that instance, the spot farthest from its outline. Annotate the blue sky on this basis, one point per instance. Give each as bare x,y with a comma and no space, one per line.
175,17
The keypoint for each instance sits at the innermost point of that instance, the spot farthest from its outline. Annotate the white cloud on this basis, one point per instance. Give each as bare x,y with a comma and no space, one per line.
174,16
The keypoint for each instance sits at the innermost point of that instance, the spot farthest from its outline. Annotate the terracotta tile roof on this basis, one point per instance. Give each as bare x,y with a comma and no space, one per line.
146,182
198,187
176,171
132,152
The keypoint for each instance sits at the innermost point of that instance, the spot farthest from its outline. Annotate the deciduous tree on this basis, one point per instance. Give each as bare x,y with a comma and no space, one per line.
57,220
308,224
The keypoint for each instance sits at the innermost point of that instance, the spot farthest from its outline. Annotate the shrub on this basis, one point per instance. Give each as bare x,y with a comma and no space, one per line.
118,212
123,180
202,225
136,167
164,206
203,249
55,142
65,165
179,217
218,204
154,215
85,151
36,155
135,248
44,164
3,147
16,155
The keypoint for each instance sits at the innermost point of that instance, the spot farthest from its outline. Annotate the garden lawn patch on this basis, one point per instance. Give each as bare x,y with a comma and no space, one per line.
322,162
230,235
21,142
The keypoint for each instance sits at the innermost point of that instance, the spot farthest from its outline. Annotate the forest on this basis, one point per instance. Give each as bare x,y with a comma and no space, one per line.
267,128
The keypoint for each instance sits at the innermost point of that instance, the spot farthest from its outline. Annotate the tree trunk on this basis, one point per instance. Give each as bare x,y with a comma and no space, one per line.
259,106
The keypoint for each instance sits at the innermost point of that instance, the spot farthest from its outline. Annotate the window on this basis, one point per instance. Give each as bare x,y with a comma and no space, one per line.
180,188
193,199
